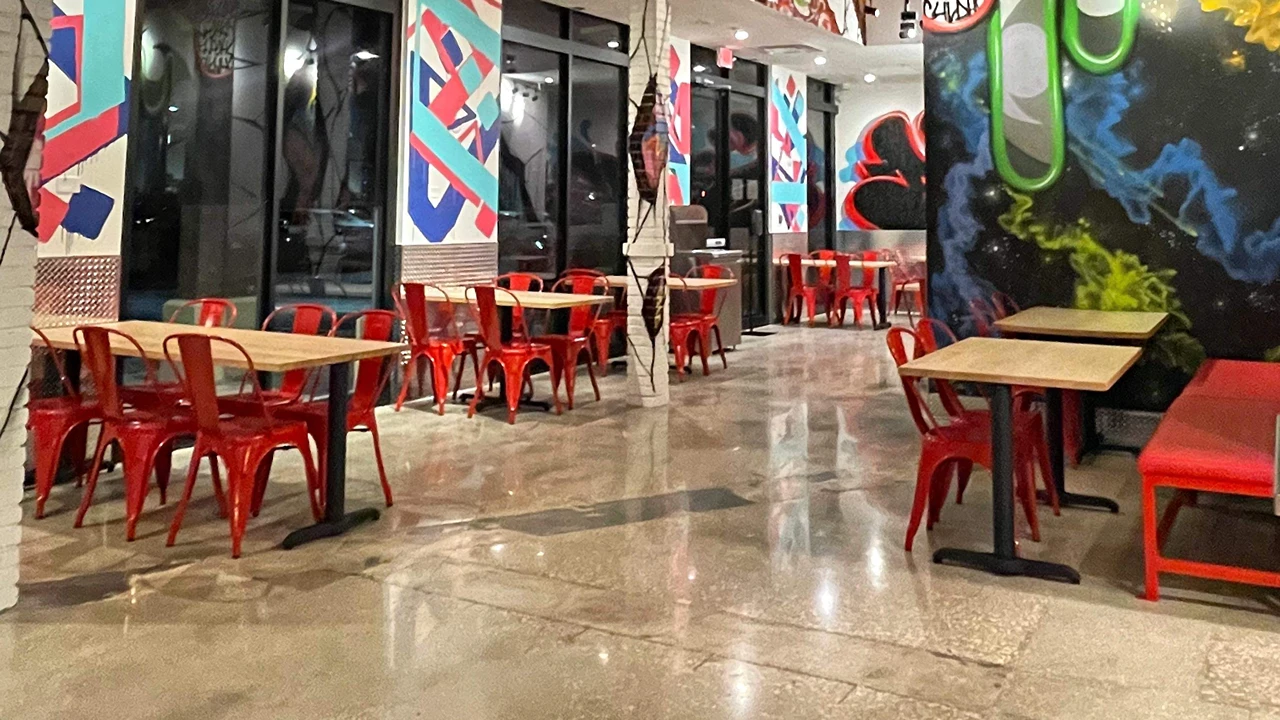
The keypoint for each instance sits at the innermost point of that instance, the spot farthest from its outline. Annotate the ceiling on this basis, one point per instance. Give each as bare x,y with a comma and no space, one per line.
775,38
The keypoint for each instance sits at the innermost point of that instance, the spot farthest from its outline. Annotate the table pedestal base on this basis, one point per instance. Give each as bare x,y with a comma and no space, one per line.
996,565
1070,499
329,528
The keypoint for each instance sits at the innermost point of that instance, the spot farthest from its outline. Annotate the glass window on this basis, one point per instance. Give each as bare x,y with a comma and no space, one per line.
745,71
704,61
819,92
530,157
594,31
705,183
820,211
534,15
597,193
200,153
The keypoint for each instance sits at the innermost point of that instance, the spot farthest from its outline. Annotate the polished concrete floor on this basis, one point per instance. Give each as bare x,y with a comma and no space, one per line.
737,555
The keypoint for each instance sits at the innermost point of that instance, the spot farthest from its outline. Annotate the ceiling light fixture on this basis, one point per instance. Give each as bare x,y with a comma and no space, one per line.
549,80
699,68
869,78
613,44
365,55
907,28
742,35
820,60
872,10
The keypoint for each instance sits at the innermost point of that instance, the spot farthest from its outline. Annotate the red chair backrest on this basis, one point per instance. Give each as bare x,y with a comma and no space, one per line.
920,412
372,374
209,312
484,305
795,269
583,317
1003,305
68,387
983,316
710,301
94,344
824,273
868,273
193,363
929,331
522,282
308,319
590,272
426,318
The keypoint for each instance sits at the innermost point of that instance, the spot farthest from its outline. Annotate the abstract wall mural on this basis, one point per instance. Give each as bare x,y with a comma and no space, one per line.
680,140
836,16
454,121
788,164
86,124
1146,184
885,175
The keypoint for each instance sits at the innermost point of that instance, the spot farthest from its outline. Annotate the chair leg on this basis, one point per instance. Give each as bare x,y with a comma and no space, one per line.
1150,543
720,346
404,385
704,352
260,477
95,468
164,469
479,393
555,392
217,486
924,476
564,368
193,469
48,452
964,468
602,337
440,366
240,488
811,306
939,487
313,470
137,481
591,373
372,424
515,388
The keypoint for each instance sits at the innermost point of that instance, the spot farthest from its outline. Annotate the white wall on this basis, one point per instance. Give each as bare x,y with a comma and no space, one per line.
17,275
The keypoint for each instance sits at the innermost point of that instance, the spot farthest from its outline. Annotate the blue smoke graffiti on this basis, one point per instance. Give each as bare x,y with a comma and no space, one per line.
1208,211
958,228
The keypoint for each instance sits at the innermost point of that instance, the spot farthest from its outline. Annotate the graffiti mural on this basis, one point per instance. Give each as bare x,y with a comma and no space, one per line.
679,139
86,122
454,121
1122,193
886,167
788,165
836,16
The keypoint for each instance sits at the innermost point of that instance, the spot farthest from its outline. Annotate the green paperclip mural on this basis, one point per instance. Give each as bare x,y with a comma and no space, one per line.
1112,155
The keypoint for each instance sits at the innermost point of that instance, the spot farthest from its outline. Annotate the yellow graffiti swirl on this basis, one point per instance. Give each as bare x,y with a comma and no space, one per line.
1262,17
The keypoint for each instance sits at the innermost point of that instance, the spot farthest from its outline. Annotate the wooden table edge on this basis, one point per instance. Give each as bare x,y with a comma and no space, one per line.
1135,354
1010,324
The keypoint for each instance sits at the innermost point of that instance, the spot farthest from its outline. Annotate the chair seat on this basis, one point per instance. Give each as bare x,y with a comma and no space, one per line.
1236,379
62,406
1219,439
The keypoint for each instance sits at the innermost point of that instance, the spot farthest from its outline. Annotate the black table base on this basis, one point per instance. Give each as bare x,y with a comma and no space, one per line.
882,300
1004,560
1053,431
337,520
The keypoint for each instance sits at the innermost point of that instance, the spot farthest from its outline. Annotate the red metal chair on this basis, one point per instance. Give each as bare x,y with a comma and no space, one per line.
683,331
431,327
708,316
208,312
1003,306
959,445
53,421
845,291
929,331
145,435
609,322
372,376
984,317
801,293
244,442
519,282
306,319
513,356
568,347
826,275
908,281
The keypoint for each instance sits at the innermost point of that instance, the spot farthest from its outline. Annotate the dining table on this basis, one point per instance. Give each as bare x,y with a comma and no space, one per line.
881,267
1001,364
692,284
270,352
528,299
1126,327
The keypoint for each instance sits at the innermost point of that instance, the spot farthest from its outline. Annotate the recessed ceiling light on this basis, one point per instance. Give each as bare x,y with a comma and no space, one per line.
549,80
365,55
699,68
911,33
869,78
613,44
820,60
742,34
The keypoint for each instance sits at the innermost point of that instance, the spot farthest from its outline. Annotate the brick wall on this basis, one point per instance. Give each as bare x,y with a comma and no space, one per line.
17,275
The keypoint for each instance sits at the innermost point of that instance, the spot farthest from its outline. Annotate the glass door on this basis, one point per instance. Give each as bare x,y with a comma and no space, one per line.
332,154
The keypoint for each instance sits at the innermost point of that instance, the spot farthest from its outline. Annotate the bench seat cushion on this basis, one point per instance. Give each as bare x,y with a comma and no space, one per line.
1216,438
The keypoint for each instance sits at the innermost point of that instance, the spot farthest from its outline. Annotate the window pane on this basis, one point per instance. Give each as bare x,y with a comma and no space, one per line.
600,33
534,15
530,157
705,186
704,61
331,191
819,192
596,191
745,71
200,153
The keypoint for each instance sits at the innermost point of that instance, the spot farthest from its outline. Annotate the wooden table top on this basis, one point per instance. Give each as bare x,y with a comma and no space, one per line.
814,262
1039,363
622,282
528,300
1069,322
270,351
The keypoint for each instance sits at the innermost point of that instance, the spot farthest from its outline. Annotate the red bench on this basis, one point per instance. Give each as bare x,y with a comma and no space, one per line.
1218,436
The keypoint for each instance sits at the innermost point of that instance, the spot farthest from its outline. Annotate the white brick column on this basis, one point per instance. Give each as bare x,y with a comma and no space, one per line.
20,54
647,247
